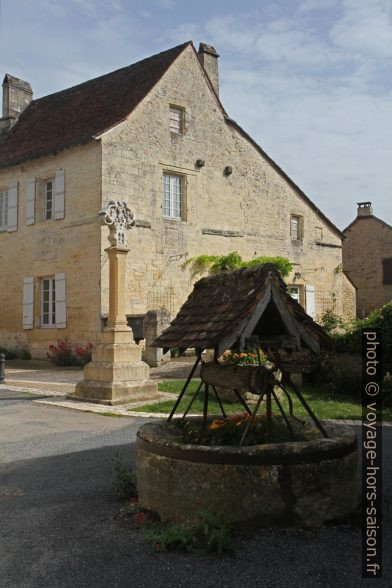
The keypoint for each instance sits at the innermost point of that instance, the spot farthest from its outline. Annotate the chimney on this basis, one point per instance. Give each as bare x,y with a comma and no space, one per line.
208,57
17,94
364,209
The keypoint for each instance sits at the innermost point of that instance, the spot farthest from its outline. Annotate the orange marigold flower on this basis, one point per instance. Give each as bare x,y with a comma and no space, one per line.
217,424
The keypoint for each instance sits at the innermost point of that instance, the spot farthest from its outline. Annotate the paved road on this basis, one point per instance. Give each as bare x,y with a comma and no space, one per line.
59,523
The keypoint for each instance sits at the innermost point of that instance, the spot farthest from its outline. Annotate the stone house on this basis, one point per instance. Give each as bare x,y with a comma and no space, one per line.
156,135
367,258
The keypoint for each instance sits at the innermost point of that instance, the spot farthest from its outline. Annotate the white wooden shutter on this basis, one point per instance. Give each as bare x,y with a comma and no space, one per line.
12,224
28,303
309,301
30,202
61,306
59,185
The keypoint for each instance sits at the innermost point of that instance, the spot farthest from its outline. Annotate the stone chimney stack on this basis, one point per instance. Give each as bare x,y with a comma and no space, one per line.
17,94
364,209
208,57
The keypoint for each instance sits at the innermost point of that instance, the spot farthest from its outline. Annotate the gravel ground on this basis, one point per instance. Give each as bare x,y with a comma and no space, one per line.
61,524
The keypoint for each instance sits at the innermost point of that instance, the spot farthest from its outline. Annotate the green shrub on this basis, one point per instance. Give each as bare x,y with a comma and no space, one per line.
350,340
233,261
124,482
212,534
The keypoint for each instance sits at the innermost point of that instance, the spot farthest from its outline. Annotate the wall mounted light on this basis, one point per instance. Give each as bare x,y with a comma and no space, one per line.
200,163
228,170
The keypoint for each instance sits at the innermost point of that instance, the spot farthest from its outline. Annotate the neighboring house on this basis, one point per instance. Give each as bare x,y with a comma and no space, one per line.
367,258
156,135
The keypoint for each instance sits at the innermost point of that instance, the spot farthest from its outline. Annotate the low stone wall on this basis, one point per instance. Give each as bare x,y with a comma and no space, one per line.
283,484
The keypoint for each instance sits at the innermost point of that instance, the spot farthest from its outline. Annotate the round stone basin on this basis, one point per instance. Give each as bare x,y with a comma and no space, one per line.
299,483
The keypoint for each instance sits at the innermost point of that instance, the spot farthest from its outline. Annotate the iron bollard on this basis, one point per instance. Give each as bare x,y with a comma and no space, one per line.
2,368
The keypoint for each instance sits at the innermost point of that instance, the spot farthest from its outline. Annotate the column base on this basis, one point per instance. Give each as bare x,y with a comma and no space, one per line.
112,393
116,374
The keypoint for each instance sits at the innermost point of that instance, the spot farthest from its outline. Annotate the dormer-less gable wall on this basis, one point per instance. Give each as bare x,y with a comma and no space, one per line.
247,210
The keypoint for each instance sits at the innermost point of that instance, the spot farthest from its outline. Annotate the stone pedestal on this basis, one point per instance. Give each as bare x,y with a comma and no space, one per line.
116,374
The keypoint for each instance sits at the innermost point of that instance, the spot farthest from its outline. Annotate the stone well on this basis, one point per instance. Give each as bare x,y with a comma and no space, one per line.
304,483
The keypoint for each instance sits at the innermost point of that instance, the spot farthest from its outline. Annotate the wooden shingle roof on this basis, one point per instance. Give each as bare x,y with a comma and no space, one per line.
224,309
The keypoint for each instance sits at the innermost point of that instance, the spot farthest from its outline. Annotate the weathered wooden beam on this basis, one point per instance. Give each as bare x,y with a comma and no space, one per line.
250,378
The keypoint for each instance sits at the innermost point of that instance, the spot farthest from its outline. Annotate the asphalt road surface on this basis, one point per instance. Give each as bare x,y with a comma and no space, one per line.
61,525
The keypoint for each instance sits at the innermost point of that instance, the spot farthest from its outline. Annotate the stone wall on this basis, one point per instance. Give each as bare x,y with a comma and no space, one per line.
70,245
247,211
368,241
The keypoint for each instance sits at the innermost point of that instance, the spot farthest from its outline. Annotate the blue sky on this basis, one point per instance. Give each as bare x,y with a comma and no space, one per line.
310,80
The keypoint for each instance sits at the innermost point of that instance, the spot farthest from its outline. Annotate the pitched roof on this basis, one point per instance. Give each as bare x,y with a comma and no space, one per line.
364,217
76,115
227,307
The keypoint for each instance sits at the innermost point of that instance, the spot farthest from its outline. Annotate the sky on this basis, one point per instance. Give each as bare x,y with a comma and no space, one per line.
310,80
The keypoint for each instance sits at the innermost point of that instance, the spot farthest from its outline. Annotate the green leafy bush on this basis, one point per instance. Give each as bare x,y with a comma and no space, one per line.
212,534
233,261
349,339
124,482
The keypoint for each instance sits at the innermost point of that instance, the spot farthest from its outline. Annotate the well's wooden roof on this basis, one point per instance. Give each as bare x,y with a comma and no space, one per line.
225,308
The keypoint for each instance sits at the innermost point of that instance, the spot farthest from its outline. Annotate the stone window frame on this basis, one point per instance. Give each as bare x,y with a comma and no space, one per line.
183,184
51,324
173,127
299,235
387,271
3,209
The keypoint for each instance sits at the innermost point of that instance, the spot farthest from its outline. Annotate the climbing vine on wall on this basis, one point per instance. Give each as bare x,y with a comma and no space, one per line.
233,261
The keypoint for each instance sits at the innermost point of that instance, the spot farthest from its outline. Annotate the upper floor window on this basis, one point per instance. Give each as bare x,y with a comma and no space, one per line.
3,210
176,120
296,227
172,196
48,199
387,271
294,292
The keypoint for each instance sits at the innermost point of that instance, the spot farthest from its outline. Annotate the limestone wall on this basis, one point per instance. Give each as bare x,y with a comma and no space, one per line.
252,205
70,245
367,242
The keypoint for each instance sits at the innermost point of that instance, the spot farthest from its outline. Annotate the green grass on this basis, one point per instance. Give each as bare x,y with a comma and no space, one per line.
324,403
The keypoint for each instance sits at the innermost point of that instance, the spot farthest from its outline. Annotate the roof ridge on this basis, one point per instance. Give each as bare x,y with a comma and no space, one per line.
115,71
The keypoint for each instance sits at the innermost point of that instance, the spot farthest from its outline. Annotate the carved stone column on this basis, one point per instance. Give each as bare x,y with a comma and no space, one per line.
116,374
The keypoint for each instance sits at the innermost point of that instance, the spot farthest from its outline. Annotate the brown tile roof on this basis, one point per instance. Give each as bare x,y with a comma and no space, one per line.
76,115
220,308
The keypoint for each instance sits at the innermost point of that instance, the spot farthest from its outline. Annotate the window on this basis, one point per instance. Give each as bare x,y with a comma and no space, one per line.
176,120
387,271
294,292
172,196
48,302
296,227
3,210
48,199
319,233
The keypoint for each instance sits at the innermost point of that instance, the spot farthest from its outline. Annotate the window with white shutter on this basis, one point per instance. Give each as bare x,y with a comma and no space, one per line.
11,220
59,191
310,300
30,202
3,210
28,303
